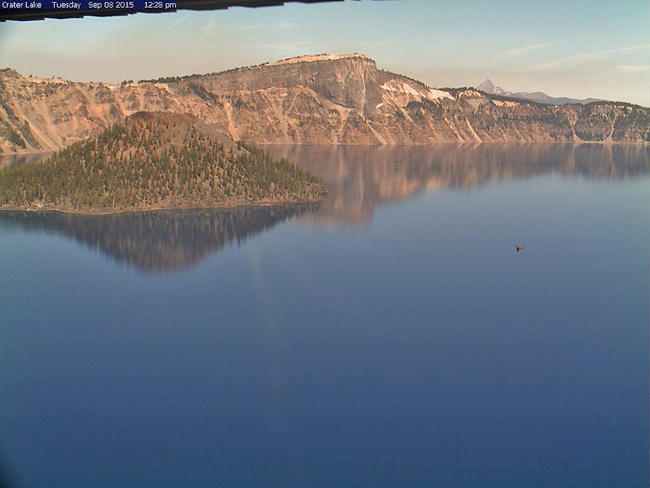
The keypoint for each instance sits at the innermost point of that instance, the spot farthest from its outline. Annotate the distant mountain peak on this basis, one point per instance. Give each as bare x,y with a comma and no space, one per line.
488,87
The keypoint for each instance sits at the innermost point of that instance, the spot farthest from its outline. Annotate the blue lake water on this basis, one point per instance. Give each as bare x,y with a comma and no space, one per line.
389,337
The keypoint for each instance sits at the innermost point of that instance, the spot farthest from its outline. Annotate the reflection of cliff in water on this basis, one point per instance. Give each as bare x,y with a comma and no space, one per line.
16,160
360,177
160,241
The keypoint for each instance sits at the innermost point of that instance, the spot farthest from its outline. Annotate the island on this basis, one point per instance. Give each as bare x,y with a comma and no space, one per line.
155,160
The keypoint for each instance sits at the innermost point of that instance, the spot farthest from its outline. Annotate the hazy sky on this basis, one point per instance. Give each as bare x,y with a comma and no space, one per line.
577,48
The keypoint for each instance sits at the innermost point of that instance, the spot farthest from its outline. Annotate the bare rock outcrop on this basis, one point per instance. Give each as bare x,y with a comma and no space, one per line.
321,99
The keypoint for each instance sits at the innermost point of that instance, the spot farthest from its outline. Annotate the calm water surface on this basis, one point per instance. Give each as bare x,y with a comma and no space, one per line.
390,337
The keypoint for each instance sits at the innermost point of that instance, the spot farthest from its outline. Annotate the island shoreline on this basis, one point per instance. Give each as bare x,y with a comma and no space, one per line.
102,212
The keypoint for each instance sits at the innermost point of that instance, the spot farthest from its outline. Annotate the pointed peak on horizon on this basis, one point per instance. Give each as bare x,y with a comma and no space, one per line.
486,86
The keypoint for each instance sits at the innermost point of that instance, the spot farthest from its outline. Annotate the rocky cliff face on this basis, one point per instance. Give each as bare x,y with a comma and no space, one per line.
324,99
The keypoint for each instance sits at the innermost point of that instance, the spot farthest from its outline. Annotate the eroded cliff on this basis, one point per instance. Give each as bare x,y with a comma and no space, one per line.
323,99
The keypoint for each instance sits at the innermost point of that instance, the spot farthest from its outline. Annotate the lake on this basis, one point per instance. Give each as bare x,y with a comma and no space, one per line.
391,336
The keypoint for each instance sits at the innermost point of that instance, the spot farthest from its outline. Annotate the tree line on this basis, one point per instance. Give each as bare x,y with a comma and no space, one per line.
155,163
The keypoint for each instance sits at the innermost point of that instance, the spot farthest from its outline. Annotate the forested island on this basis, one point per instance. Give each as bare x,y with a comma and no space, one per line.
156,161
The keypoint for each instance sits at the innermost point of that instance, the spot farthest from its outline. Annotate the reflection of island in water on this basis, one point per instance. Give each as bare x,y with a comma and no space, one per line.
159,241
360,177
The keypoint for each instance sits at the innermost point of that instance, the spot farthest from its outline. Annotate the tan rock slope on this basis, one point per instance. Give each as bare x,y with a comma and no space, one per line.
321,99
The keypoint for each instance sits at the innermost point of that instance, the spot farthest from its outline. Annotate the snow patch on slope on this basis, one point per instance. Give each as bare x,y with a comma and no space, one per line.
436,94
505,103
403,88
396,86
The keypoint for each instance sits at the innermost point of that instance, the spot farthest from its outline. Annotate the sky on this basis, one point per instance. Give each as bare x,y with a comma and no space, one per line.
574,48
